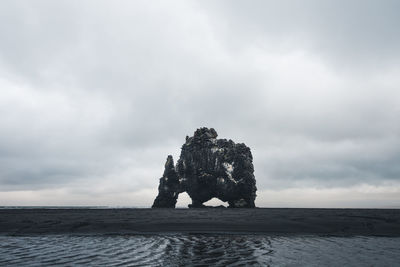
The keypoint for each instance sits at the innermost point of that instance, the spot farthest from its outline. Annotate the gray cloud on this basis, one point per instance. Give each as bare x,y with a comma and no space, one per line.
95,95
344,32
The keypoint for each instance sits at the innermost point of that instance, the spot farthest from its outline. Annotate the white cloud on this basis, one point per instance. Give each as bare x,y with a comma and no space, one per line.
96,95
360,196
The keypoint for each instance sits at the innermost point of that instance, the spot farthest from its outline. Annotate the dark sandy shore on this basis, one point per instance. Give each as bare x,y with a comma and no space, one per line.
340,222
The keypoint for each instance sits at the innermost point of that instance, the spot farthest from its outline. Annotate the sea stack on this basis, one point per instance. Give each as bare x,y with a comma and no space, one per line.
209,167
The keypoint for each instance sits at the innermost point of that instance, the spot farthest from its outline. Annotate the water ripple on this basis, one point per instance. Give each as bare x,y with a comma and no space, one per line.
197,250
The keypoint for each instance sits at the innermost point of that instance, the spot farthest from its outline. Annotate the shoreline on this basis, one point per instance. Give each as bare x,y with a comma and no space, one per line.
271,221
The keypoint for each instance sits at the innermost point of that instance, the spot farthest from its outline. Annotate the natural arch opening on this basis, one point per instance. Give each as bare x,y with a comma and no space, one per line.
215,202
183,200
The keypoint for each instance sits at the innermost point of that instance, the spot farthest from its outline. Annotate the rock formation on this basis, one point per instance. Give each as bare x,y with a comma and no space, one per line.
209,167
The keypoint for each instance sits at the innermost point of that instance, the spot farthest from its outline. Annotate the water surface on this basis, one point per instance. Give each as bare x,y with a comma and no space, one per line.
198,250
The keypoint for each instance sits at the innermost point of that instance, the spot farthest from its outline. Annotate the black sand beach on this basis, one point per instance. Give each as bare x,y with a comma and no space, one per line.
338,222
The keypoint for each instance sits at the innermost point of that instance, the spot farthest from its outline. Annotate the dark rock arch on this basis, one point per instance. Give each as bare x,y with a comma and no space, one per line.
209,167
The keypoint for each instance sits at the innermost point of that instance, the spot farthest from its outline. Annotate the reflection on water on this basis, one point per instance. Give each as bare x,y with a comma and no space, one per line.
197,250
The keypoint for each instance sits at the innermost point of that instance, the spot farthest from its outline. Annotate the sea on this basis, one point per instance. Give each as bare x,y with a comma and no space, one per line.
177,249
198,250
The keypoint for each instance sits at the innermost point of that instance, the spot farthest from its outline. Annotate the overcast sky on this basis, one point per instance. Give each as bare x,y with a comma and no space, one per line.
95,94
